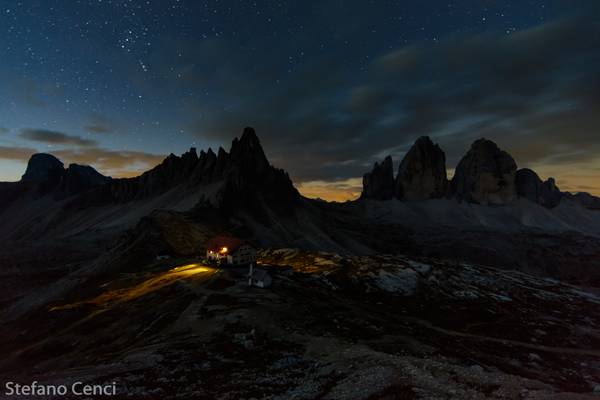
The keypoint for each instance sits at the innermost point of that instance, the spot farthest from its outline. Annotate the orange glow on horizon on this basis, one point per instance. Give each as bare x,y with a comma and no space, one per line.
340,191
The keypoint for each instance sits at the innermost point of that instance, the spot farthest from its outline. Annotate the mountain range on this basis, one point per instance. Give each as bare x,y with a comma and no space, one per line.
480,286
485,175
490,212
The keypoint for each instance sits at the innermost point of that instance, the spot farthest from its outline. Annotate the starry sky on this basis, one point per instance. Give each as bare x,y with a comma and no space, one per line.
330,86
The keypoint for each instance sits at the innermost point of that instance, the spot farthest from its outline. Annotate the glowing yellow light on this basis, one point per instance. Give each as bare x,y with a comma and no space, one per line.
224,250
149,285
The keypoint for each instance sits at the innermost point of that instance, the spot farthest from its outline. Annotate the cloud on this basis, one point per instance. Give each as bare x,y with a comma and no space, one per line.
4,130
97,128
535,92
99,123
111,162
16,153
332,191
34,93
55,138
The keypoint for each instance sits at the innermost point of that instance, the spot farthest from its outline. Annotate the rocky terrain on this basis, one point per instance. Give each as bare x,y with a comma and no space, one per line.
482,286
336,327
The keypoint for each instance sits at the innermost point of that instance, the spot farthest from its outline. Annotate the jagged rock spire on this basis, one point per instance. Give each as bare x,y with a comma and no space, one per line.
422,172
379,183
247,152
485,175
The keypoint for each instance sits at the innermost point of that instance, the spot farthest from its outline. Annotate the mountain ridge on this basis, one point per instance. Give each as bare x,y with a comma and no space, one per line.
485,175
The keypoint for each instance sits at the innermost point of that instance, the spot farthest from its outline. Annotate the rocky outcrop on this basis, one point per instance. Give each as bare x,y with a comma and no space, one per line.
43,170
379,183
248,154
550,194
528,184
80,178
584,199
251,181
48,175
422,172
171,172
163,232
485,175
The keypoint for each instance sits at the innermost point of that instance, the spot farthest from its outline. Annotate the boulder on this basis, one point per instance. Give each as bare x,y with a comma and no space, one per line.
422,172
379,183
485,175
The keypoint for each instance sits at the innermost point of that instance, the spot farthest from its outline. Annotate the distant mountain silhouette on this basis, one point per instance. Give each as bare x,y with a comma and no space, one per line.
485,175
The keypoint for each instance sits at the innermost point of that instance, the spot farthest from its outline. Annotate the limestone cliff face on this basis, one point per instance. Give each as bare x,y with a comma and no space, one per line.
485,175
43,168
546,193
379,183
250,179
550,194
528,184
80,178
422,172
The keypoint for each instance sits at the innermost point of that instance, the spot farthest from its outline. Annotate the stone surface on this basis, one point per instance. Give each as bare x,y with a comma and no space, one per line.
422,172
379,183
485,175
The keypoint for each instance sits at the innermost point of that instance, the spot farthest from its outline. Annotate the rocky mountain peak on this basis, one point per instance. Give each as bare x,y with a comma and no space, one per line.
422,172
247,152
250,179
530,186
79,178
42,168
550,194
87,172
379,183
249,136
485,175
190,157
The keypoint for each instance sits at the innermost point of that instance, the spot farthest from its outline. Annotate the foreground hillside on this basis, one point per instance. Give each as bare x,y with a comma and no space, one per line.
358,327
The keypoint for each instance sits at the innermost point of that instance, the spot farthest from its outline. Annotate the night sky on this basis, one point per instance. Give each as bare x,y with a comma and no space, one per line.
330,86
